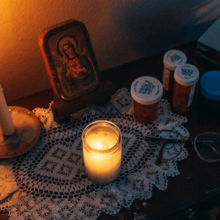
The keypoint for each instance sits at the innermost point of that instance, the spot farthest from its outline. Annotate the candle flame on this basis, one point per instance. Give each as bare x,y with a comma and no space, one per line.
99,146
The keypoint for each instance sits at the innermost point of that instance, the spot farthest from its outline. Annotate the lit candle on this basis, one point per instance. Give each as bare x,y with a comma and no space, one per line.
5,117
102,151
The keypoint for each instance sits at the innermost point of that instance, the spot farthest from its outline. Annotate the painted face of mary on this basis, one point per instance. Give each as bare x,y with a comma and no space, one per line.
67,47
69,51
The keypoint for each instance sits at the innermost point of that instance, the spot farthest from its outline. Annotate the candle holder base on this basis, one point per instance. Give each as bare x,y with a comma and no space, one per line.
27,131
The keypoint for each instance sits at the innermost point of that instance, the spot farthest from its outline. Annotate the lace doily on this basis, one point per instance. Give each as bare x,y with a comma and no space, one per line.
49,181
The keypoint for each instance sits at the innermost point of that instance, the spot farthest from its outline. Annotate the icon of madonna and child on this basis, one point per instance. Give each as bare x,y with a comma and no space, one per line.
76,74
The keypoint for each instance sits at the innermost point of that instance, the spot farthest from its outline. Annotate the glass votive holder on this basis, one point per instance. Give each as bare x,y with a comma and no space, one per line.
102,151
186,76
146,92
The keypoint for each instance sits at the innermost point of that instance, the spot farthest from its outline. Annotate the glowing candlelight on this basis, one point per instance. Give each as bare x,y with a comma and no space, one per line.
102,151
99,146
5,117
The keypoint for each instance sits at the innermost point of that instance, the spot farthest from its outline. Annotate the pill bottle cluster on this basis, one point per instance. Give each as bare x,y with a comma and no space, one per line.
179,79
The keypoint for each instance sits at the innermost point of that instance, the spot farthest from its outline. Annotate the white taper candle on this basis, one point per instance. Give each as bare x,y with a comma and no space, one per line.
5,117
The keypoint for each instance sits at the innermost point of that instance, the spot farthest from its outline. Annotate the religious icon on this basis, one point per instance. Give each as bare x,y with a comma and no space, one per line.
69,58
77,72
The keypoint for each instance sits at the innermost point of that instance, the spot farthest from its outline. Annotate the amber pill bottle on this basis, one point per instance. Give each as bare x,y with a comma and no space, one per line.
146,92
186,76
171,60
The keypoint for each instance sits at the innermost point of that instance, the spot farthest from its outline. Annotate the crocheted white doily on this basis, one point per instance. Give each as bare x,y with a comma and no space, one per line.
49,181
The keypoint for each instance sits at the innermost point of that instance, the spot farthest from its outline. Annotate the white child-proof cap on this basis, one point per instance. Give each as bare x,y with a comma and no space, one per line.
186,74
146,90
173,58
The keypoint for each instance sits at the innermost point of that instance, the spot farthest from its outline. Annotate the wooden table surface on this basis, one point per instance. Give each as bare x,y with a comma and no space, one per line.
198,184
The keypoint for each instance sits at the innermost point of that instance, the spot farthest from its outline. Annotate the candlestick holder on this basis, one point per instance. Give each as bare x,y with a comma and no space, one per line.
27,131
102,151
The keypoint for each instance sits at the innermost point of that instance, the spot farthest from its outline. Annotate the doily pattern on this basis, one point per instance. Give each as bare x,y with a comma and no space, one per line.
49,182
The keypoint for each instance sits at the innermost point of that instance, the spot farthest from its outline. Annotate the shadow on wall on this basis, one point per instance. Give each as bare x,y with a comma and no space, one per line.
157,25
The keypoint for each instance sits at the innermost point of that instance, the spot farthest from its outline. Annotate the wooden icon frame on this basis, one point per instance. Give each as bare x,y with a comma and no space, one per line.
70,77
